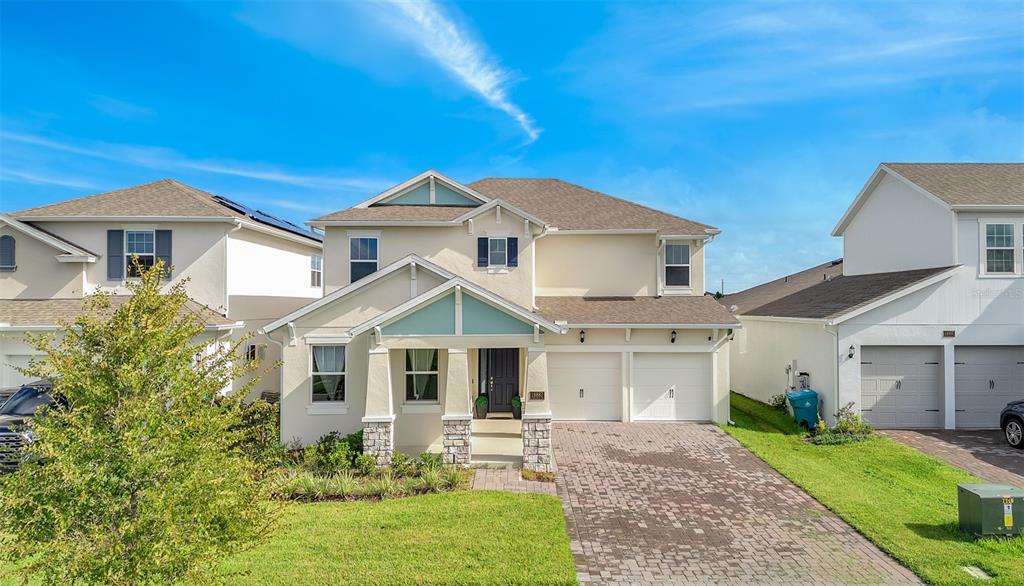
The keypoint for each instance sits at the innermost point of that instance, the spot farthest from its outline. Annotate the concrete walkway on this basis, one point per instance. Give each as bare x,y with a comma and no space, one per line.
983,453
685,503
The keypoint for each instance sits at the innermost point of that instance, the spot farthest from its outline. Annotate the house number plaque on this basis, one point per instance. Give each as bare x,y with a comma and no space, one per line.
536,395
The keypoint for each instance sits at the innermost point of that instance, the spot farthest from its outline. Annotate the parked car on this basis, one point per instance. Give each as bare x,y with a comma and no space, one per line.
14,413
1012,422
6,393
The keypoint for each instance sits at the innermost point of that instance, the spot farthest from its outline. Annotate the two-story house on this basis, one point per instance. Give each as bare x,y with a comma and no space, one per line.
243,268
921,324
583,305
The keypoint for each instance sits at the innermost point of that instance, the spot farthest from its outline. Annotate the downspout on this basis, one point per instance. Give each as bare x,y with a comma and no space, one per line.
835,336
533,267
227,295
280,384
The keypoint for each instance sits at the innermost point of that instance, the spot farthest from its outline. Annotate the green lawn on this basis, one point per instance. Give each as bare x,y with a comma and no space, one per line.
469,537
902,500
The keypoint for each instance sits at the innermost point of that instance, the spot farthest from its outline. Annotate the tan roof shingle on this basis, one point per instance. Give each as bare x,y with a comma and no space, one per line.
967,183
50,312
670,310
165,197
755,297
397,212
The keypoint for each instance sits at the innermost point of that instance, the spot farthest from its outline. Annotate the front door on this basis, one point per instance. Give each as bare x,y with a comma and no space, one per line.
502,377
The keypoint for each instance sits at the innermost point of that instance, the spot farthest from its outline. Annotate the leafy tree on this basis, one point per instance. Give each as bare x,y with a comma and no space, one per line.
140,479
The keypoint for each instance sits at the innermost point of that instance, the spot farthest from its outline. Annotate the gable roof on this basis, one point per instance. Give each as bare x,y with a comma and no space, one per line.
845,296
165,198
967,184
755,297
430,176
71,251
668,311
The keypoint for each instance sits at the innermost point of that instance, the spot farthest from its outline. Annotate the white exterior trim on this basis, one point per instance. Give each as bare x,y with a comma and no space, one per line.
869,187
615,348
638,326
428,175
71,253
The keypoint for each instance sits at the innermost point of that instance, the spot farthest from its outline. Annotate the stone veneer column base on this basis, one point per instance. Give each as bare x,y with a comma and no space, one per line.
537,453
379,440
457,441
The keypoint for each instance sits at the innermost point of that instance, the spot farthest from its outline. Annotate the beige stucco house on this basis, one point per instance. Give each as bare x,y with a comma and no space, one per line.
580,305
242,267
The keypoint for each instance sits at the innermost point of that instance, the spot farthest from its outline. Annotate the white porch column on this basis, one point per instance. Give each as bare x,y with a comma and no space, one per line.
379,422
458,416
537,454
949,385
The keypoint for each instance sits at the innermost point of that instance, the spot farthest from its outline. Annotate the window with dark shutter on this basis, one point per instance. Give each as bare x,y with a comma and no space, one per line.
8,262
163,250
513,252
115,255
481,252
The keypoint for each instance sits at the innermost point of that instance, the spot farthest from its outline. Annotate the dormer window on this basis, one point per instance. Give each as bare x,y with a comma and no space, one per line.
677,265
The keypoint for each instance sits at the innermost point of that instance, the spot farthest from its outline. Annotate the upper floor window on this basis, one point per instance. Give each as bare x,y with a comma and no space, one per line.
999,249
316,270
497,251
362,257
328,373
7,259
677,265
140,244
421,375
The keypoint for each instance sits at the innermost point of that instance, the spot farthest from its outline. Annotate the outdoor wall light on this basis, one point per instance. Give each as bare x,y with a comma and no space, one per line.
850,355
583,336
673,338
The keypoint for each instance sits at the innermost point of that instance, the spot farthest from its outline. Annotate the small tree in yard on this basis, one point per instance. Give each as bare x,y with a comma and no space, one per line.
140,478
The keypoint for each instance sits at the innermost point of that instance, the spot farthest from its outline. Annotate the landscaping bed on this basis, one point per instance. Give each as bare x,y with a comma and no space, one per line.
902,500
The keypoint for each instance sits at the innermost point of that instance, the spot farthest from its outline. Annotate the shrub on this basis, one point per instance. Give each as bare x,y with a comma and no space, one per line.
430,461
402,465
386,485
259,435
365,464
850,422
431,481
454,478
778,401
334,452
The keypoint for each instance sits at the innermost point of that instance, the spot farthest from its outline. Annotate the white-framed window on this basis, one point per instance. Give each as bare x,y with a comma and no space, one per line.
677,265
140,244
327,373
362,257
1000,250
316,270
253,353
497,252
421,377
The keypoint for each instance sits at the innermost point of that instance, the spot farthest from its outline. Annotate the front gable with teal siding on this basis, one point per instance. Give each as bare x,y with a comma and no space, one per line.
480,318
436,318
443,196
439,318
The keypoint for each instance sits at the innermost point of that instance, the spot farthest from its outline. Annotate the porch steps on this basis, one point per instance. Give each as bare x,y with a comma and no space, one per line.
497,443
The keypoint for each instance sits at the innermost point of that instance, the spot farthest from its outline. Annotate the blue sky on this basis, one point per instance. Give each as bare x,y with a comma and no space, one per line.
763,119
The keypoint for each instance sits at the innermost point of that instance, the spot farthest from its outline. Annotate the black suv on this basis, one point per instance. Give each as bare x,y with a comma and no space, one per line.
1012,422
14,413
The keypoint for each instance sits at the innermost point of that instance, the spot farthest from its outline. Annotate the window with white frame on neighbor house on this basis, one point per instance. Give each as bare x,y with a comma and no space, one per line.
316,270
999,249
141,245
362,257
328,373
421,378
677,265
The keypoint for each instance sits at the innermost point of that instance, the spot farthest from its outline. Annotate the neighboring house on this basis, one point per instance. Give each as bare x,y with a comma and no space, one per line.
924,326
586,306
243,268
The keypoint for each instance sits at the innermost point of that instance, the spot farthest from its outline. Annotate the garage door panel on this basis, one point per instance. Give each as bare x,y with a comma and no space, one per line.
9,375
672,386
901,386
597,374
987,378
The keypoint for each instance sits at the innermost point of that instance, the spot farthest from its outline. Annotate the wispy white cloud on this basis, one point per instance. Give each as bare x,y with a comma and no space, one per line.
169,160
122,109
20,176
454,50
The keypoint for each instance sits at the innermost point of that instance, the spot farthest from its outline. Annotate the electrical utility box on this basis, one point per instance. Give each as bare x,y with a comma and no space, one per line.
991,509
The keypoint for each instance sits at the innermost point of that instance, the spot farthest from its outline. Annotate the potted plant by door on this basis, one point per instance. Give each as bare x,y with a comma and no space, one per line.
517,407
480,406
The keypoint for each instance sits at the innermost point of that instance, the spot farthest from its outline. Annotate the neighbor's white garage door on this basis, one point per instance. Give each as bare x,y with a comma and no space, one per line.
987,378
585,385
901,386
672,386
9,377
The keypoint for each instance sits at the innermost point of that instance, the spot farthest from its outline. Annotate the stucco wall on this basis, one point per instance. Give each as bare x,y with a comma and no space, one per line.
896,229
39,275
453,248
261,264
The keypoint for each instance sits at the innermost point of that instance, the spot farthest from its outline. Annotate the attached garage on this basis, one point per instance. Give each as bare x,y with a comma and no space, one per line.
585,385
987,378
901,386
9,375
672,386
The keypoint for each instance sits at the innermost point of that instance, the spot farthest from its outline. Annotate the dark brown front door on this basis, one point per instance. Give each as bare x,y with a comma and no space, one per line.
502,377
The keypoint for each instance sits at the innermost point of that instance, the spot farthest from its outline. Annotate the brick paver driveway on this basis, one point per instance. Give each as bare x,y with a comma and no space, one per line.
685,503
984,453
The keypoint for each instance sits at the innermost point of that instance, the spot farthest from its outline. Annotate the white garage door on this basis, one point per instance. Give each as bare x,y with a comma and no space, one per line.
672,386
585,385
901,386
987,378
9,377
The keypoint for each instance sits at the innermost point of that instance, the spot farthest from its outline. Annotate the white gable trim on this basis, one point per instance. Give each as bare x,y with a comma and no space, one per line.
869,187
428,175
70,252
497,203
411,259
400,311
894,296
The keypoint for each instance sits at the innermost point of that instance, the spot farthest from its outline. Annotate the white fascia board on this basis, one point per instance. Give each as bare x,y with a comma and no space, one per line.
474,212
376,223
774,318
380,274
554,231
75,258
894,296
284,235
74,253
225,219
656,326
408,184
865,192
10,328
988,208
225,327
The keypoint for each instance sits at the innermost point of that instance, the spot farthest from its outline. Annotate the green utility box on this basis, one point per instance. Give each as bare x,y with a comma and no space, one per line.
991,509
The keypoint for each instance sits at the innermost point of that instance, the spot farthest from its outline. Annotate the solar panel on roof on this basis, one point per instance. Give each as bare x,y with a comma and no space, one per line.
268,219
